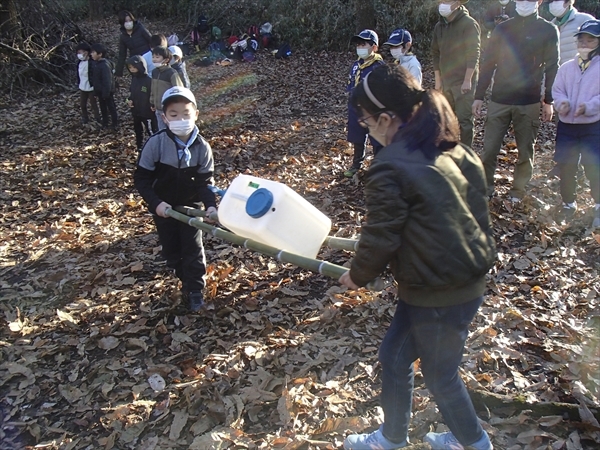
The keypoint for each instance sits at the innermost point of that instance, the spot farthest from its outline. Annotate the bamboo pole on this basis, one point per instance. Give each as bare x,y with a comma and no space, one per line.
314,265
330,241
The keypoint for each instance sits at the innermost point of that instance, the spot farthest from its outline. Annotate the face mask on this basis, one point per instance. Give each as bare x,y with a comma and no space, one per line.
526,8
445,9
585,52
363,52
81,57
128,25
397,52
504,2
182,127
558,8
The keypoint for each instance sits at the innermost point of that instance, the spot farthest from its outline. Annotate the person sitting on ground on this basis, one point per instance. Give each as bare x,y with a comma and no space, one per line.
367,43
133,38
576,93
178,64
176,168
428,218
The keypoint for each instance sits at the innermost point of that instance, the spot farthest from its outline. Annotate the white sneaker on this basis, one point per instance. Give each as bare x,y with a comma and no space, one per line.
372,441
447,441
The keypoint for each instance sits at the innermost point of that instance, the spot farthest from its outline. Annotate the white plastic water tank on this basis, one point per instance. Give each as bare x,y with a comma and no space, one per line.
272,213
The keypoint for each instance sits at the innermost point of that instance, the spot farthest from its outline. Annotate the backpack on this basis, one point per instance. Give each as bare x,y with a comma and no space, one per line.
172,40
284,51
248,56
202,25
265,40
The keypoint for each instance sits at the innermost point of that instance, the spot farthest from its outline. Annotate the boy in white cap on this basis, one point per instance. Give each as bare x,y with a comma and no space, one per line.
367,43
400,42
175,168
178,64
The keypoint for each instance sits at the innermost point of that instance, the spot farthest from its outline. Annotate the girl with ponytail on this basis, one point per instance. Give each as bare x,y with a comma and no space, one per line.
428,218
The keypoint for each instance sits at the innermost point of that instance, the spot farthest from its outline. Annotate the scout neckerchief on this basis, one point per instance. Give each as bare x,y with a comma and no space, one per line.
185,151
367,62
583,63
560,22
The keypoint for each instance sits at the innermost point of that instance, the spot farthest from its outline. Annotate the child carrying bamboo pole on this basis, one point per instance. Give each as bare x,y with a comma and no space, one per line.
175,168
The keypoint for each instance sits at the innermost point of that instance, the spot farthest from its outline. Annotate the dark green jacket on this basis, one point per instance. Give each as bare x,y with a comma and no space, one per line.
456,47
429,220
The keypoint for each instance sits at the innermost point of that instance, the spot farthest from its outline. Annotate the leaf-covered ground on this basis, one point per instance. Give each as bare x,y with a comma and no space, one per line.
96,351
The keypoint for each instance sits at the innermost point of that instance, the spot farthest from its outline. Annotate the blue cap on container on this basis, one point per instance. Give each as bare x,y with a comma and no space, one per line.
259,203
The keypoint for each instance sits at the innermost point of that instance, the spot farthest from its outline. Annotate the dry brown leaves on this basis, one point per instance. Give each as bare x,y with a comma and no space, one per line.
96,352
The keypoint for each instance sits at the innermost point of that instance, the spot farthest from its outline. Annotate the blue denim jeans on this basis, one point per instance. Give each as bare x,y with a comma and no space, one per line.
437,336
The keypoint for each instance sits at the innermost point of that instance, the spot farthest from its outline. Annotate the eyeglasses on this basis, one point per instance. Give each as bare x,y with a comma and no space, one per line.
363,120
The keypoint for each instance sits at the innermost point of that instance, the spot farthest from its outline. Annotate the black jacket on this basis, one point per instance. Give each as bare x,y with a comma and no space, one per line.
429,220
141,85
138,43
522,51
162,176
103,79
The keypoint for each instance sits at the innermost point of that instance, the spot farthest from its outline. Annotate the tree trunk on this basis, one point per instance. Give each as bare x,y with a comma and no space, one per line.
365,14
9,19
96,9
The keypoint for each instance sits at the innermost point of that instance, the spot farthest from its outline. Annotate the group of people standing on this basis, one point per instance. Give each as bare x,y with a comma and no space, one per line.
154,67
427,191
520,64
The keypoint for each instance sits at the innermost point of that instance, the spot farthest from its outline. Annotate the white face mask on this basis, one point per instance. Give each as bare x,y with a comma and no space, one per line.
363,52
81,56
397,52
128,25
182,127
558,8
445,9
585,52
526,8
504,2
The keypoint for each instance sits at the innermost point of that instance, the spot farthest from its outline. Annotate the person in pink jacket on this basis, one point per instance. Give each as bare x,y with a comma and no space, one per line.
576,93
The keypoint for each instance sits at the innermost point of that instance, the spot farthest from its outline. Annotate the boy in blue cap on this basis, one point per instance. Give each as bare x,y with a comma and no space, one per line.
367,43
400,42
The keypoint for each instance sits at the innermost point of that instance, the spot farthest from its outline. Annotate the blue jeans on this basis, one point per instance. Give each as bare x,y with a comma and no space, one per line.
437,336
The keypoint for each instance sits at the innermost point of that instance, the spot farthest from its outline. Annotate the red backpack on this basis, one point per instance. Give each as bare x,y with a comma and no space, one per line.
254,32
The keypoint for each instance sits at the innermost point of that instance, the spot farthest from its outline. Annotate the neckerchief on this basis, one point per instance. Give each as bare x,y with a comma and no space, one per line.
367,62
583,63
185,151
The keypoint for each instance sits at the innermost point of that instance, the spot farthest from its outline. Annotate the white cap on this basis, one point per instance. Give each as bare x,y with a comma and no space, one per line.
179,91
176,51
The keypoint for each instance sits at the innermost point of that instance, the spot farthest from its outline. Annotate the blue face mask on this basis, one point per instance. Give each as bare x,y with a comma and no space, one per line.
363,52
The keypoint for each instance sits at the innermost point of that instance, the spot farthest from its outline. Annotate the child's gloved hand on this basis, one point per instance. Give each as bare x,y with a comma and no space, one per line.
161,209
211,211
564,107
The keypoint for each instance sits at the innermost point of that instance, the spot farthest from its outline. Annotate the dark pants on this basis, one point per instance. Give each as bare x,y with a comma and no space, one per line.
437,336
357,136
107,105
141,125
575,142
83,101
183,250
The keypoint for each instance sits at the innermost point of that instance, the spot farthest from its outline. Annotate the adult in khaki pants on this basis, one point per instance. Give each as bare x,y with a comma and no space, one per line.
523,52
455,51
